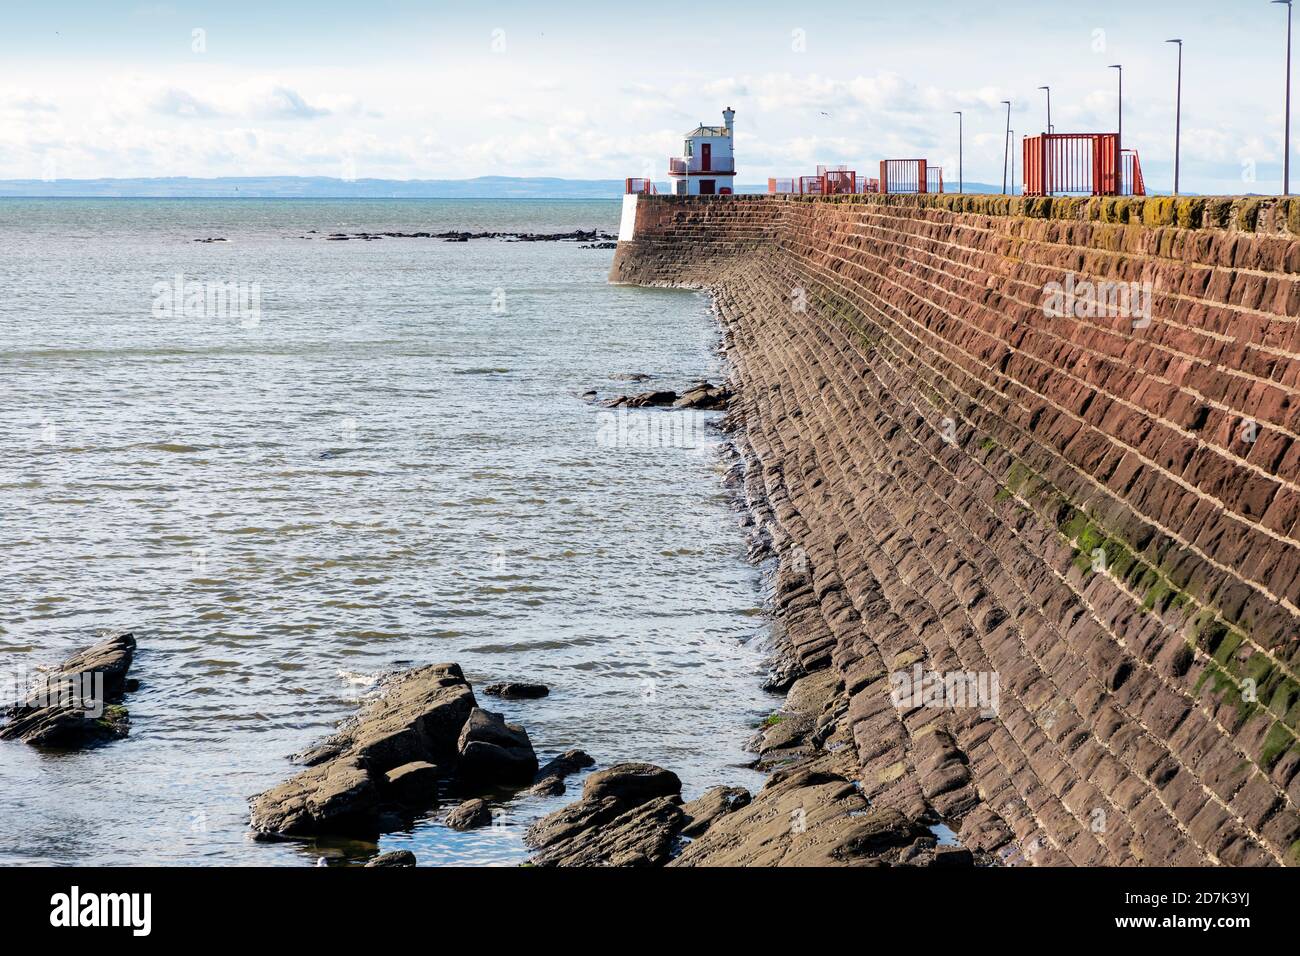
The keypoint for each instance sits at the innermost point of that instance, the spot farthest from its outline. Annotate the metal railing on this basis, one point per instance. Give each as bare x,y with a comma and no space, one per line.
639,187
1080,164
684,167
910,176
839,181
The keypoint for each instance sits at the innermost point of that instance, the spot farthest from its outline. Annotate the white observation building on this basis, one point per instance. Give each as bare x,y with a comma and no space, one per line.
708,167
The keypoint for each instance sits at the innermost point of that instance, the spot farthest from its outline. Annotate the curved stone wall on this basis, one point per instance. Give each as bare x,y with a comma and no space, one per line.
1052,444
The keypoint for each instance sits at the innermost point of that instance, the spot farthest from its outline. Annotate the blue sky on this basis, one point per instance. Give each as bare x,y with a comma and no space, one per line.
597,90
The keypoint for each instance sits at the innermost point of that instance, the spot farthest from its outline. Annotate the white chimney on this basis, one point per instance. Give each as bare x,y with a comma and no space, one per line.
727,116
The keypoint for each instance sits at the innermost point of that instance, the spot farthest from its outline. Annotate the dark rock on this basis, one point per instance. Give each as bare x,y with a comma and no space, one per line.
413,727
419,717
514,690
952,856
394,858
493,751
78,703
469,815
704,397
414,783
569,822
642,836
549,781
661,398
334,797
712,805
631,783
805,817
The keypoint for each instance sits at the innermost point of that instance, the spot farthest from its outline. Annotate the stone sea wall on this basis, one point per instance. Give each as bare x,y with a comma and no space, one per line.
1050,444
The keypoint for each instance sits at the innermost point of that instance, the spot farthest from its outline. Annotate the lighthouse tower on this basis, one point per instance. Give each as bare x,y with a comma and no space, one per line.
708,167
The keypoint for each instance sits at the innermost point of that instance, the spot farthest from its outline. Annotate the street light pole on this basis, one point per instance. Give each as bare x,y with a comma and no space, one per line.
1286,161
1119,134
1012,138
1049,107
1178,116
961,179
1006,147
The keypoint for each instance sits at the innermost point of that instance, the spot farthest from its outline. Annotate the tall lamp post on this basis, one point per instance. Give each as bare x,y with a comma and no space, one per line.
1011,137
1049,107
1006,147
1286,161
961,180
1119,135
1178,116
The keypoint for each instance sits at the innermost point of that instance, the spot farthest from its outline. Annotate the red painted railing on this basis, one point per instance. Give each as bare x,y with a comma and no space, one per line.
828,182
1080,164
1134,184
639,187
910,176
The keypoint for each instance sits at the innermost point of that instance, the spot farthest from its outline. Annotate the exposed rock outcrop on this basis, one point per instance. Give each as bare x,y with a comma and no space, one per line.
392,753
701,397
470,815
394,858
493,751
78,703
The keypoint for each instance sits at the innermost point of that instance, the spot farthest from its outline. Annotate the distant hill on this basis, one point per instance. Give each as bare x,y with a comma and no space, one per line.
324,187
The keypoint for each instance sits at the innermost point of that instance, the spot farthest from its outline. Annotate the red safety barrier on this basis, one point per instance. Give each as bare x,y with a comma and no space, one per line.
811,185
1134,184
910,176
838,182
639,187
1081,164
829,181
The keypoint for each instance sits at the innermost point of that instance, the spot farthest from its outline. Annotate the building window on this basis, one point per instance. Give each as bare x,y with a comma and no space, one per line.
689,144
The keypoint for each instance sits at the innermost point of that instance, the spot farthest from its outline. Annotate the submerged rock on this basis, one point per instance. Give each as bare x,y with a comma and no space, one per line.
549,781
394,858
78,703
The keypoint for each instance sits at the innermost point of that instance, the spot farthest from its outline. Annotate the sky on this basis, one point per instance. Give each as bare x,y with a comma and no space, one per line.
397,89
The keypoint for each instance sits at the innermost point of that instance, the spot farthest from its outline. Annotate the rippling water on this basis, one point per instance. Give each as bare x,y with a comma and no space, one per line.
394,466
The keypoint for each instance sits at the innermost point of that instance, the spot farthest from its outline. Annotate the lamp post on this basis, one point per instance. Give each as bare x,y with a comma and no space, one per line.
1049,107
1006,147
1286,160
1012,139
1119,134
1178,116
961,181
